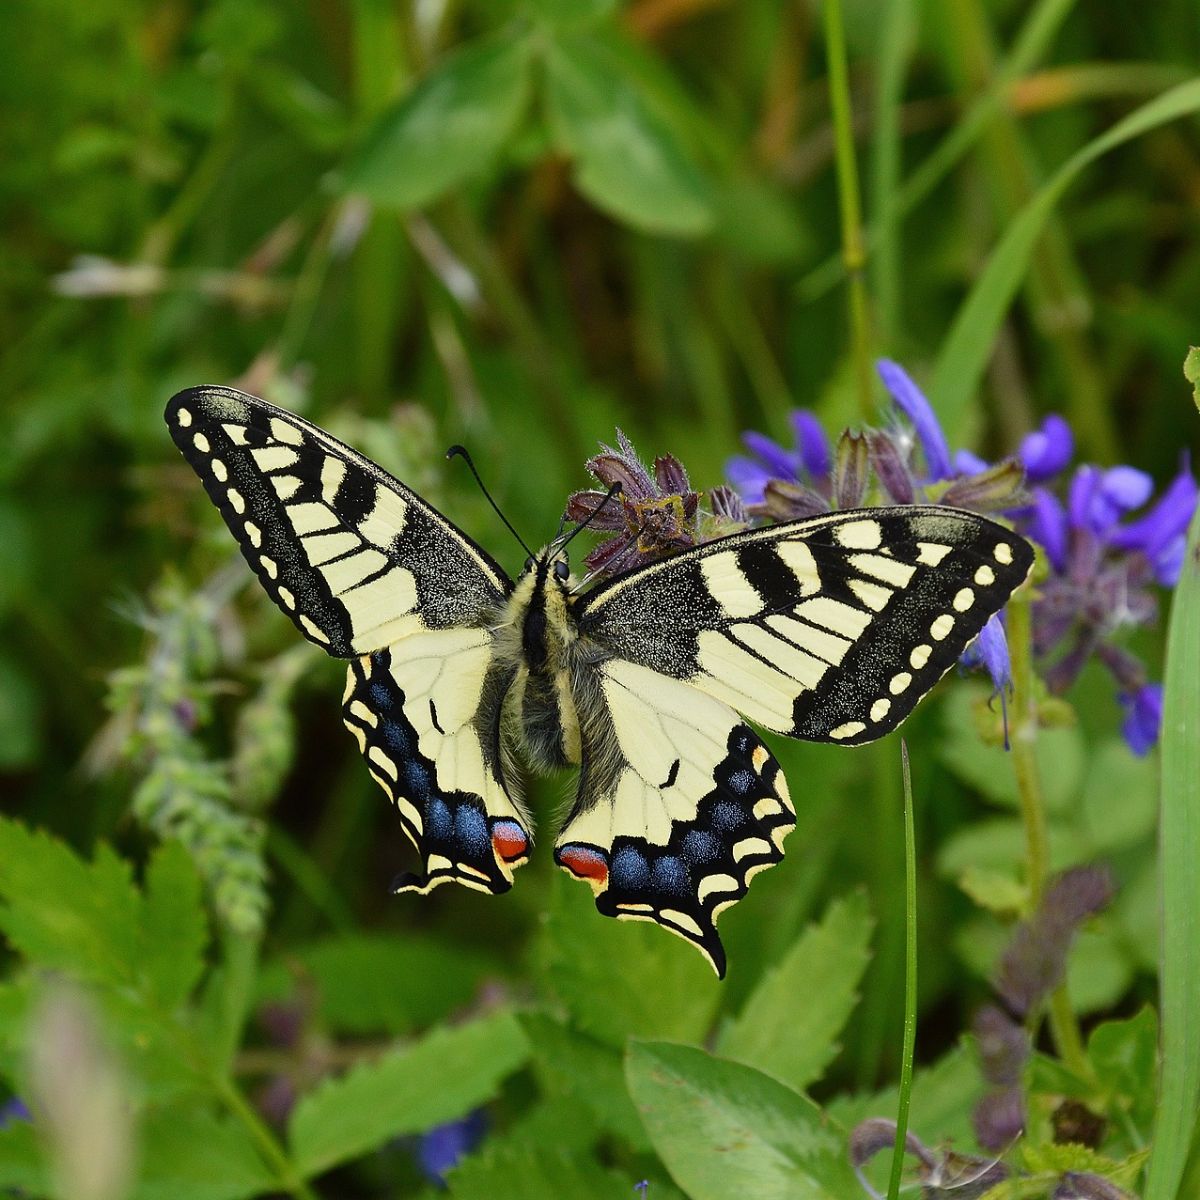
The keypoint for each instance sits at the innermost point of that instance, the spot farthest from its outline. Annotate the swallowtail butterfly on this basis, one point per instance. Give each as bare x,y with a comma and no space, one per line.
829,629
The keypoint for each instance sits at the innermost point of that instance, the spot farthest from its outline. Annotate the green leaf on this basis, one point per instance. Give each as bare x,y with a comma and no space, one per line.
188,1153
796,1042
173,928
1120,798
571,14
571,1064
438,1079
997,891
725,1130
628,161
968,348
508,1171
1179,850
447,129
1125,1057
373,983
621,979
989,769
1051,1158
20,716
1191,372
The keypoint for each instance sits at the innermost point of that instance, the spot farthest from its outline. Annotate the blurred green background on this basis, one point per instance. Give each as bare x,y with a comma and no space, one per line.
520,224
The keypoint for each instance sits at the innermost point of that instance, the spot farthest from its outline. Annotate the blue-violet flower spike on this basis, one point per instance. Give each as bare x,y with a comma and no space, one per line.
1143,716
912,402
1047,451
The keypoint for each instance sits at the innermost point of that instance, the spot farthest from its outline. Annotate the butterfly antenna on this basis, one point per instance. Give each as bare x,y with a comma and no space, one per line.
461,452
612,491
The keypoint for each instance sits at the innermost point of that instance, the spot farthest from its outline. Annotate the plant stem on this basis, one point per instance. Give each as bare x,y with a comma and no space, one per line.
1063,1027
910,978
268,1146
849,205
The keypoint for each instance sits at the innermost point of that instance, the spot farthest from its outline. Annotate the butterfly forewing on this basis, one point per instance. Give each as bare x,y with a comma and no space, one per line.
350,554
829,629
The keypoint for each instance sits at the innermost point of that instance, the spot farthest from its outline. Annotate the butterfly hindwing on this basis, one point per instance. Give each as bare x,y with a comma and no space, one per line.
426,715
351,555
679,805
829,629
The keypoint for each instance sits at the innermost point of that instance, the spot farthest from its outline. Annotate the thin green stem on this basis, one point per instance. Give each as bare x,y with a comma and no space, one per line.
849,204
1063,1027
910,977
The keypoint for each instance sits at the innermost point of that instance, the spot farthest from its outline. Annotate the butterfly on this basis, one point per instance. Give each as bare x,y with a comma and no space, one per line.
829,629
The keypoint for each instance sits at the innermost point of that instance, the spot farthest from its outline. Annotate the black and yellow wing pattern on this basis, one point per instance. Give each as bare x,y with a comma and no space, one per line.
829,629
368,570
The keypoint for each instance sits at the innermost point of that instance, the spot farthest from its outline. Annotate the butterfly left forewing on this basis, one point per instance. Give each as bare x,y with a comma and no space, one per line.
680,804
829,629
426,715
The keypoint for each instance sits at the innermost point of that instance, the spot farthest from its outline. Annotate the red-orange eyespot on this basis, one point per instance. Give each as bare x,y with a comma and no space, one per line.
509,840
584,863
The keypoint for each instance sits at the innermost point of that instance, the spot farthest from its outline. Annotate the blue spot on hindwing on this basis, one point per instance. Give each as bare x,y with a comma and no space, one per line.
628,869
727,817
670,875
699,846
471,827
740,782
438,823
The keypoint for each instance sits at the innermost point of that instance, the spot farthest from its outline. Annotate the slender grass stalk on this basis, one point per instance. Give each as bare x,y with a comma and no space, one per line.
1179,842
1063,1026
895,41
910,978
849,204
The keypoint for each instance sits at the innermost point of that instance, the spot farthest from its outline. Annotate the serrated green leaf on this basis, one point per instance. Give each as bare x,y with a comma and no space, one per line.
627,160
447,129
1191,372
372,983
1124,1055
997,891
173,927
189,1153
64,913
793,1041
535,1172
989,769
437,1079
1120,797
1055,1158
725,1130
621,979
574,1065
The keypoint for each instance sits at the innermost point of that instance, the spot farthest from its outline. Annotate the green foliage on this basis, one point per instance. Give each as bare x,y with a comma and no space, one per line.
519,226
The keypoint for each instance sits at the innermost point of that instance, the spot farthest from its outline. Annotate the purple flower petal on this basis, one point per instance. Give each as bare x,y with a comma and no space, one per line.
1126,488
968,463
1158,534
443,1146
912,402
1047,451
990,650
1143,716
780,463
748,477
815,451
1047,525
1098,498
14,1110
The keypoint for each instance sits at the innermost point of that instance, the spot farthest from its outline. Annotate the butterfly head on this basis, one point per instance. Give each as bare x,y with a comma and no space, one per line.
549,566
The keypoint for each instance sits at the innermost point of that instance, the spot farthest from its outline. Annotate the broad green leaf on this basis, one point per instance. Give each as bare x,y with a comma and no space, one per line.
1052,1158
1120,797
621,979
999,844
1125,1057
968,348
447,129
173,928
437,1079
536,1172
571,14
191,1154
372,983
1191,372
627,160
1179,852
725,1130
789,1026
997,891
574,1065
989,769
67,914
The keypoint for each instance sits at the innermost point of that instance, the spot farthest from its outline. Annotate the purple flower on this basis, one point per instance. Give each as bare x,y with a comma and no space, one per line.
809,462
14,1109
990,651
441,1147
1143,716
1047,451
1161,534
1098,498
911,401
